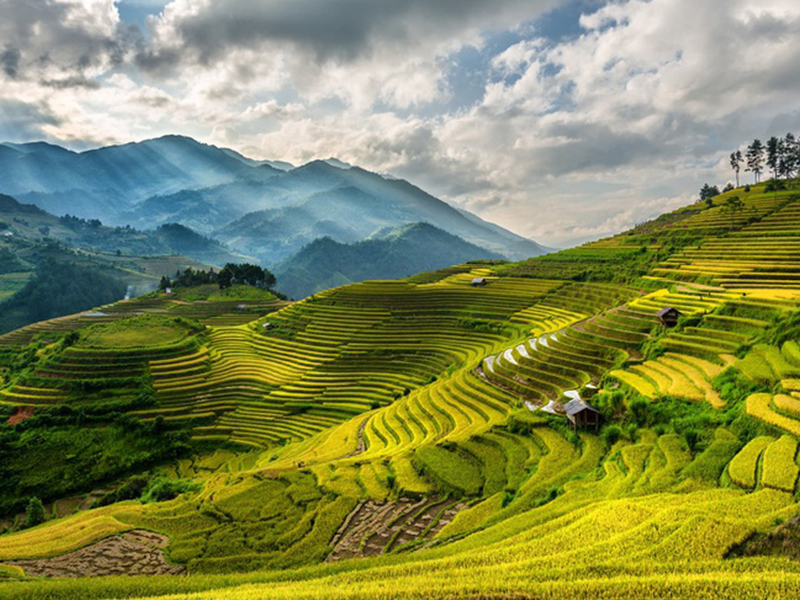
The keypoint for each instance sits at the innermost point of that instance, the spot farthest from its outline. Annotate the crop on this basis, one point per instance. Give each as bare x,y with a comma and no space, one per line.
742,469
779,468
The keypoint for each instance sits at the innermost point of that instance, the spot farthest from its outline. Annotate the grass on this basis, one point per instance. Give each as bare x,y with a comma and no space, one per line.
137,332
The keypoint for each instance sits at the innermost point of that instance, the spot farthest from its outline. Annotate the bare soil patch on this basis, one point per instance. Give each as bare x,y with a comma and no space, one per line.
136,552
20,414
378,527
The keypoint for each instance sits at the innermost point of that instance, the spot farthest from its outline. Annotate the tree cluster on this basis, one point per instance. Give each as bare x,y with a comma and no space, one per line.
780,155
230,274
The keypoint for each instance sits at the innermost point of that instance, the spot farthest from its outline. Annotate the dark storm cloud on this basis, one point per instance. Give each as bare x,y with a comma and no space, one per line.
330,29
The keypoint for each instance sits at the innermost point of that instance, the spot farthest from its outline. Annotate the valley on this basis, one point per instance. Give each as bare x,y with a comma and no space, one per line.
408,438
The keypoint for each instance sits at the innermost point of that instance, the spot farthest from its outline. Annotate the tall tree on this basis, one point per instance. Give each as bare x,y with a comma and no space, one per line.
755,158
790,156
773,155
736,164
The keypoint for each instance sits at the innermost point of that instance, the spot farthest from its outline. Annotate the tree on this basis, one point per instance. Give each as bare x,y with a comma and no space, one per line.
708,191
245,274
790,156
733,205
755,158
736,164
164,283
34,513
773,155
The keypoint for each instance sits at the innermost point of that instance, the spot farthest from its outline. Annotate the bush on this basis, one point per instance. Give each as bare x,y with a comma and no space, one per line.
611,434
162,488
34,513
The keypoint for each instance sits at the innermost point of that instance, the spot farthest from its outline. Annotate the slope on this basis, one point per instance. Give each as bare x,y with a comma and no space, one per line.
408,424
392,254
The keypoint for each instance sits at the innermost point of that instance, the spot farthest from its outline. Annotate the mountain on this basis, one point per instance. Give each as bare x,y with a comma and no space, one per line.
259,208
104,182
390,254
31,222
51,266
351,204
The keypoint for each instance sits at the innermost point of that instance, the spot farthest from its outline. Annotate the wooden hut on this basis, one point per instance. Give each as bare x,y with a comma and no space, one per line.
669,316
582,414
479,281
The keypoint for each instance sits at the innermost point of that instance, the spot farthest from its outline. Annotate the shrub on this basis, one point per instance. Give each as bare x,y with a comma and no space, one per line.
611,434
162,488
34,513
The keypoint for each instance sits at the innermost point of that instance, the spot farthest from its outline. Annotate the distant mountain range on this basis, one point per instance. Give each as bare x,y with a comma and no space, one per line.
261,209
390,254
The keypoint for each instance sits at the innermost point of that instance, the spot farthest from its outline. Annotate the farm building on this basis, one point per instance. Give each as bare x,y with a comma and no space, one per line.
479,281
669,316
582,414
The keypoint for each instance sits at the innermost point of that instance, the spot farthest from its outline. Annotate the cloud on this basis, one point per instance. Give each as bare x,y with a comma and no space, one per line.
23,121
340,31
560,138
51,38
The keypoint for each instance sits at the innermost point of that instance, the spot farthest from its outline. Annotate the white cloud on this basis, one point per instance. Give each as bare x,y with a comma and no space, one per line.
571,139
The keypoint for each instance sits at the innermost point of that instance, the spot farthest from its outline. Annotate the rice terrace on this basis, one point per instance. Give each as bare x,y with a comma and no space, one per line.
407,438
391,300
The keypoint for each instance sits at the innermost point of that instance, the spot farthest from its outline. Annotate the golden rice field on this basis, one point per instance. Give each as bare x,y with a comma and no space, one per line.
393,439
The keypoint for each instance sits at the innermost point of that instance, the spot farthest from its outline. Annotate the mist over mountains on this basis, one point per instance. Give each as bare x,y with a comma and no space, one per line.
261,209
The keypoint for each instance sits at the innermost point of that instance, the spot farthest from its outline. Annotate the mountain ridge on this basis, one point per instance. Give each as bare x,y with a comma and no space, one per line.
178,179
391,253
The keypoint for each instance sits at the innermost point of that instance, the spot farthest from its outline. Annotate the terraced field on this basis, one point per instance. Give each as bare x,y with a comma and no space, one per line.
418,425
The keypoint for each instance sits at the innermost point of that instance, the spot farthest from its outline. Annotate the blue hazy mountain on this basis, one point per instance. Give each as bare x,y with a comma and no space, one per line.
268,210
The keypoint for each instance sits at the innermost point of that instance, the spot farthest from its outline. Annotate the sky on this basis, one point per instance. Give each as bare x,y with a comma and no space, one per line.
564,121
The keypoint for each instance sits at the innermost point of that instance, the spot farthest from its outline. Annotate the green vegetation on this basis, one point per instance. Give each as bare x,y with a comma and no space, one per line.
416,425
137,332
58,289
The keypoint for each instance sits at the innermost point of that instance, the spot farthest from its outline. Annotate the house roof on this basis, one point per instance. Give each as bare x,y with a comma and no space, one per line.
573,407
666,310
479,280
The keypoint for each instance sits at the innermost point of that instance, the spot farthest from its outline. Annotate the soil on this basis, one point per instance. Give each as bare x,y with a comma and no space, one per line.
20,414
136,552
378,527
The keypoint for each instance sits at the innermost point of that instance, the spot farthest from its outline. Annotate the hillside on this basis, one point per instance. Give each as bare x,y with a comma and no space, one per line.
419,425
257,208
394,253
32,223
53,266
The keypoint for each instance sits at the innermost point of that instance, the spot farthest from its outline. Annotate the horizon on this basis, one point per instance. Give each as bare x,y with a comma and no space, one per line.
564,122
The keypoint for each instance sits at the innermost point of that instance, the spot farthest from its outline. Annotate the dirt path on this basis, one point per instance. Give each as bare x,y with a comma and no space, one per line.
377,527
136,552
362,445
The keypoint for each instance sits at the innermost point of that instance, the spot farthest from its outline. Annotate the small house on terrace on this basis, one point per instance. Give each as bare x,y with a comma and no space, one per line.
479,281
669,316
582,414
